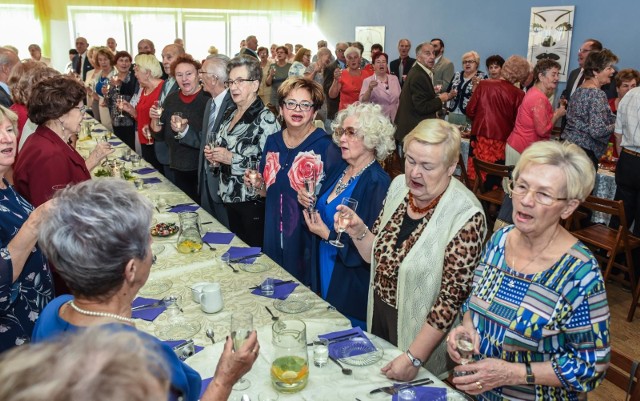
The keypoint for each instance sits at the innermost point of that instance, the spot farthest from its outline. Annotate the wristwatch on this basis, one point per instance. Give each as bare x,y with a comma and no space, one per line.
530,377
414,361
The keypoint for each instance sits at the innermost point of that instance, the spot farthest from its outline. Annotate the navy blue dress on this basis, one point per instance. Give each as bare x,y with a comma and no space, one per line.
21,301
287,240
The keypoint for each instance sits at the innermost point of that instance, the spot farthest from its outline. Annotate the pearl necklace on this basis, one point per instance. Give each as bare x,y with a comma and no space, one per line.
100,314
340,187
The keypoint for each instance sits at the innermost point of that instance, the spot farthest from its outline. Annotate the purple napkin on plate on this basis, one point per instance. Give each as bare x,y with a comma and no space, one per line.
146,314
351,337
115,143
172,344
98,129
152,180
238,252
145,170
218,238
427,393
279,291
184,208
205,384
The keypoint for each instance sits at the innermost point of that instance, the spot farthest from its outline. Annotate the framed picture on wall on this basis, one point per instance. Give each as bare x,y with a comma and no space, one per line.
550,32
369,35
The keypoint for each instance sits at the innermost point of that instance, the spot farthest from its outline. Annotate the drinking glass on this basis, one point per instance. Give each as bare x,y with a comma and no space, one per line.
438,86
320,352
158,106
344,219
252,168
176,118
147,134
464,346
241,327
119,105
310,187
214,141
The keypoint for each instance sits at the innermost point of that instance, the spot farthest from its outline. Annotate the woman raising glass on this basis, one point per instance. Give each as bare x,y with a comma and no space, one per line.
382,88
278,72
348,82
462,86
122,88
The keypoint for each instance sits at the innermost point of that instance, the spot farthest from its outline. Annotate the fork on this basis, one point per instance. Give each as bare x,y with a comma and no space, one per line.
209,245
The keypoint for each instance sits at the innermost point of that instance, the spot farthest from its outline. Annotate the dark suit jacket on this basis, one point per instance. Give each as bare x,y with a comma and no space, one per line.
161,148
76,66
332,104
5,98
418,101
248,52
394,68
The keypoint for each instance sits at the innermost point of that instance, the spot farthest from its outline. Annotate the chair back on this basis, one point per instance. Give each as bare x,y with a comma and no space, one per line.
487,168
461,173
625,374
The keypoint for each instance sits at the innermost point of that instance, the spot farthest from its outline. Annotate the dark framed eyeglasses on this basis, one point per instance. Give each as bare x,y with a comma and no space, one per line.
229,83
83,109
292,105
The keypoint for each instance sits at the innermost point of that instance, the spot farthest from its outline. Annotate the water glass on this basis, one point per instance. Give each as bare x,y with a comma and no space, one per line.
126,155
406,394
320,352
135,160
139,183
267,287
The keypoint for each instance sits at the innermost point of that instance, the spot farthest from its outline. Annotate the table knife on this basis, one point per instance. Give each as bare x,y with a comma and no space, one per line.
388,389
148,306
255,287
243,258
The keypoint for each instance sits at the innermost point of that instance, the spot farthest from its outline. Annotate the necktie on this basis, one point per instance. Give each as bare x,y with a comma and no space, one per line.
401,70
212,120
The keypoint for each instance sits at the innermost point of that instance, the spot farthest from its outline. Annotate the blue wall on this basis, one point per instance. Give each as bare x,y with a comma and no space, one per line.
487,26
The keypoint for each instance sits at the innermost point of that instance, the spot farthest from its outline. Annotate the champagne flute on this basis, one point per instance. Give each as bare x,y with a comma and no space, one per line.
176,119
241,327
214,143
310,187
344,218
158,106
147,134
252,168
464,346
120,105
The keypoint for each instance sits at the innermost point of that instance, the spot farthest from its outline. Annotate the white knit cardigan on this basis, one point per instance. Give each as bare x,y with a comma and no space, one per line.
420,273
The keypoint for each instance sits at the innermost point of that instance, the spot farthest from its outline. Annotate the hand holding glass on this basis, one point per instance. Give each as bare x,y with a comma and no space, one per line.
464,346
252,170
241,327
157,105
310,187
344,218
176,120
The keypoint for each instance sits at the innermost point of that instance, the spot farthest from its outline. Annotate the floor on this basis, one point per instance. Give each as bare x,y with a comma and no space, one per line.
625,338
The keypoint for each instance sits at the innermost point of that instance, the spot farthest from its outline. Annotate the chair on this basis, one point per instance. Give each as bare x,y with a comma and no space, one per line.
461,173
489,196
624,373
613,241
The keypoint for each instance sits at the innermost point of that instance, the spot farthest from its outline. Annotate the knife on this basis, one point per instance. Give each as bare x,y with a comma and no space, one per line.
255,287
387,389
148,306
342,338
243,258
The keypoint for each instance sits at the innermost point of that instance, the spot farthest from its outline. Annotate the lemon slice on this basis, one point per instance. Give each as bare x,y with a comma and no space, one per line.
288,375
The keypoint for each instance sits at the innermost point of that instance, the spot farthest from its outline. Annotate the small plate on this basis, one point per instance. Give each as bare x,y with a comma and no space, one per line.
359,352
453,395
155,287
255,267
295,303
181,330
164,229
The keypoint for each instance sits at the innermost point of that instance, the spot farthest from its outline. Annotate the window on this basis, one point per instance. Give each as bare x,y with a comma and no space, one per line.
20,28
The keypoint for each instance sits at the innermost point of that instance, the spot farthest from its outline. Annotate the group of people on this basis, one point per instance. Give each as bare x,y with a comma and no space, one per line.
417,266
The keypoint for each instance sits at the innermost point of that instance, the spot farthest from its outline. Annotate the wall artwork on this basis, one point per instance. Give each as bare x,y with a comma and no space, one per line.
550,32
369,35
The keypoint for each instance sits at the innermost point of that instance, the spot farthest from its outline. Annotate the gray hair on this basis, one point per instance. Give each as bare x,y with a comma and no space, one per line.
92,231
7,56
96,364
252,64
219,63
421,45
375,128
352,49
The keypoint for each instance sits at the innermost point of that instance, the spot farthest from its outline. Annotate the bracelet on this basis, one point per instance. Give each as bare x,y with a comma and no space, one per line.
364,234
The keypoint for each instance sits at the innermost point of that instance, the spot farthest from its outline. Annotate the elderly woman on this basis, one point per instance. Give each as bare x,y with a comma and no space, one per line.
590,121
525,349
147,73
191,102
102,75
25,280
315,71
299,152
382,88
105,280
494,66
626,80
278,72
365,136
493,108
124,84
243,133
265,91
301,61
462,86
423,249
348,82
46,160
36,55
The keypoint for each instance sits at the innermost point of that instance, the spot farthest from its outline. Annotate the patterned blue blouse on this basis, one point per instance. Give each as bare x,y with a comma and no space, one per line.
559,315
21,301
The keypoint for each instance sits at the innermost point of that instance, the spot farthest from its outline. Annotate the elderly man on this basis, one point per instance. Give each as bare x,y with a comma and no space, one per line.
145,46
341,62
576,76
7,60
112,45
80,63
418,100
443,68
213,74
400,67
36,54
251,47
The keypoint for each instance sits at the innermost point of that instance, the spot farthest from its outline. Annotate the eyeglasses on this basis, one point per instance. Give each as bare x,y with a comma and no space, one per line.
350,132
542,198
468,61
340,50
228,84
292,105
584,50
202,72
185,75
83,109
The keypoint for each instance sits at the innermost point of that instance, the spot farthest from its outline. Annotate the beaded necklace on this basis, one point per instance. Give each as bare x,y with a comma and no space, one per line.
340,186
100,314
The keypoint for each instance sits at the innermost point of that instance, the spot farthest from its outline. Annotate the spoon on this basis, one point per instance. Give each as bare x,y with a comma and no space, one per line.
273,317
209,334
233,268
345,371
210,247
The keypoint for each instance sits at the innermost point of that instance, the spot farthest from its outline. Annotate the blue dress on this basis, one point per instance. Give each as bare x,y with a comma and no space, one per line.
286,238
184,380
21,301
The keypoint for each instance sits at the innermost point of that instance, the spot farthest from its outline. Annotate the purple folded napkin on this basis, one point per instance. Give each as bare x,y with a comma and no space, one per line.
279,291
350,336
238,252
115,143
218,238
146,314
205,384
184,208
145,170
152,180
426,393
172,344
98,129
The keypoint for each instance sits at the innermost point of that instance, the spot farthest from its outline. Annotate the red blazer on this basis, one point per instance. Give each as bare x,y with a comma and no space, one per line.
44,161
493,108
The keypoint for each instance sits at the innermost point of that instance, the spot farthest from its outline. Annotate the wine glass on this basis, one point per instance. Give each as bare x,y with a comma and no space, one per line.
107,88
147,134
158,106
120,105
464,346
241,327
310,187
344,219
214,142
438,86
252,168
176,119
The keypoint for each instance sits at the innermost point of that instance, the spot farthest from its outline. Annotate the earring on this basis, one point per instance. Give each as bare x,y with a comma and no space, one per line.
61,125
